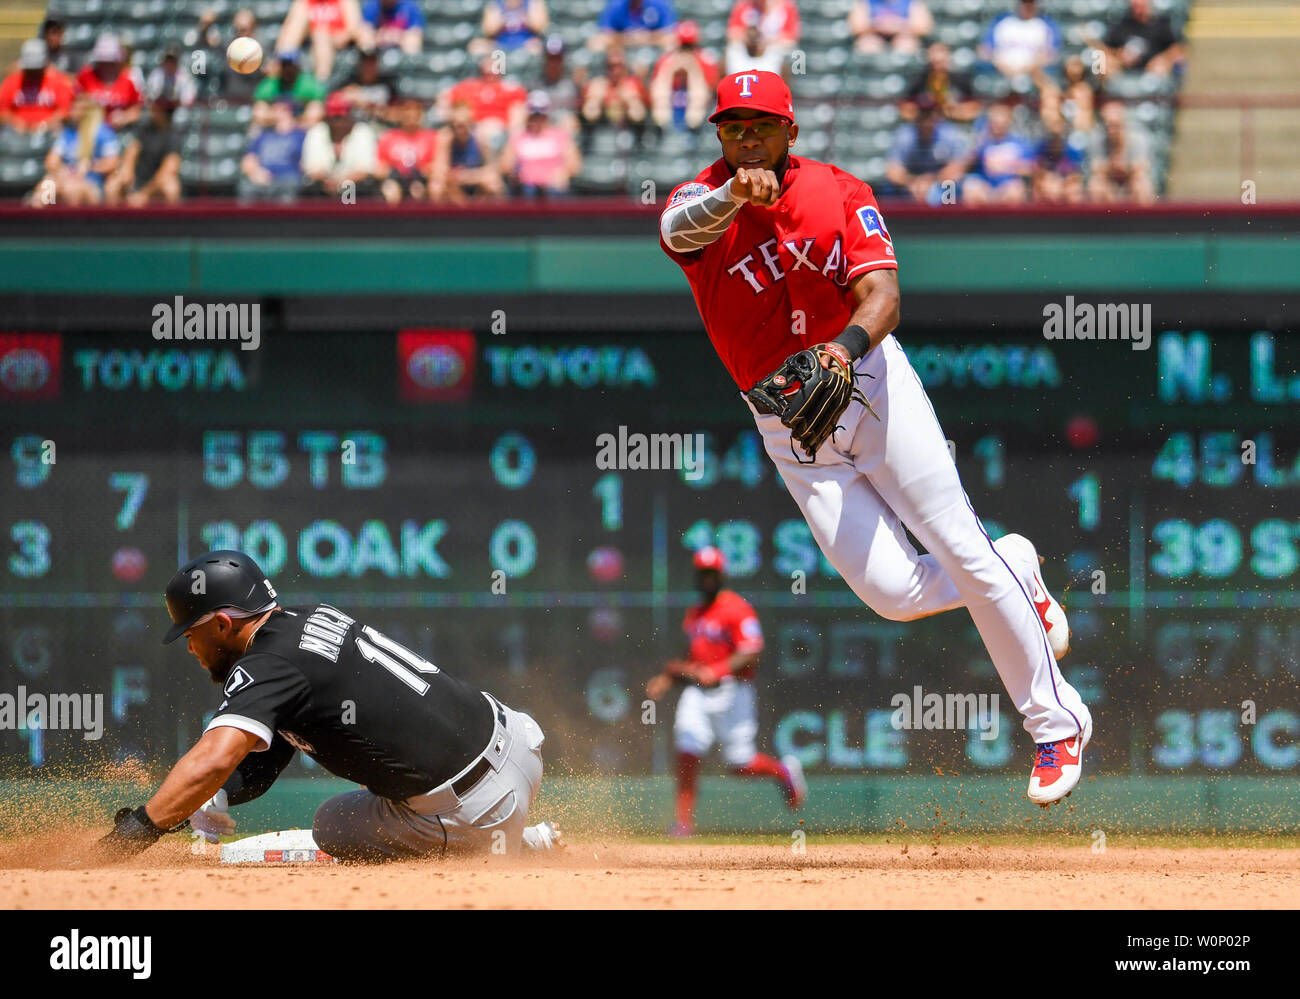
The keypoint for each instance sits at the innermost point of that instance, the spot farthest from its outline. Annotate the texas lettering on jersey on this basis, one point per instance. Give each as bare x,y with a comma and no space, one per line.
780,278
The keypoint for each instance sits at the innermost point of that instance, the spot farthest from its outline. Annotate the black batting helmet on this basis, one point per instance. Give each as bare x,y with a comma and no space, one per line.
223,580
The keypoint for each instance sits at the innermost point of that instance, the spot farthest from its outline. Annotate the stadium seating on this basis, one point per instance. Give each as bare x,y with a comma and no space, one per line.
846,100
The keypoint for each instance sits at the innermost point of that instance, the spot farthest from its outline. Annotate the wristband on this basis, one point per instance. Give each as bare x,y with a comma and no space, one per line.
856,340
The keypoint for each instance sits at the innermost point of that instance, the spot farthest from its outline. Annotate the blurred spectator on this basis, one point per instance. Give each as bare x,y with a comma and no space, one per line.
615,98
510,25
151,163
52,32
953,91
543,157
1141,41
392,24
208,55
560,85
1072,106
1058,170
1023,42
169,82
341,151
684,82
412,159
634,22
239,87
271,169
84,153
926,155
109,84
35,96
469,174
1001,165
496,103
329,24
898,24
1120,163
369,90
287,79
761,33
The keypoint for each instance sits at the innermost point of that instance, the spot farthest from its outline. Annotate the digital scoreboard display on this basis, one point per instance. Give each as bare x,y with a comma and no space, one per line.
499,504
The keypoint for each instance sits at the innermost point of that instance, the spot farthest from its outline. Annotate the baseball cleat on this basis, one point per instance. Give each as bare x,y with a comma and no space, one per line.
796,788
543,836
680,830
1020,552
1057,767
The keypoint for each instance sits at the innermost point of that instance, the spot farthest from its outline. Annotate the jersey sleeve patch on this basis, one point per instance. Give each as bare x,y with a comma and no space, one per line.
873,224
686,192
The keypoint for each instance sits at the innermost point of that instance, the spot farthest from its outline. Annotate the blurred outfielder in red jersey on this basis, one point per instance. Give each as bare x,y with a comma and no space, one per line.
718,704
795,275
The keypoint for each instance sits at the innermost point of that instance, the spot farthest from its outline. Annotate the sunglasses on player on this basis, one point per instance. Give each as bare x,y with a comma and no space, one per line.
764,128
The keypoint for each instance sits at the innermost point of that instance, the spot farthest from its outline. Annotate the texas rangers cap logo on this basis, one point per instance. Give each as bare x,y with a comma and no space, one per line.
754,89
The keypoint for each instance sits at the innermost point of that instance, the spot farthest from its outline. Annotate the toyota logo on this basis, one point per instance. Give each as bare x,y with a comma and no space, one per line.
436,367
24,370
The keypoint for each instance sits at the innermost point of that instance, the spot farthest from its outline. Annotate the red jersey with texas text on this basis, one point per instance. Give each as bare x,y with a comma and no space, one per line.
724,628
741,282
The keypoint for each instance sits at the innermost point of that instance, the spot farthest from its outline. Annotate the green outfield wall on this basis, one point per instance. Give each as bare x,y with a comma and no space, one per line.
549,265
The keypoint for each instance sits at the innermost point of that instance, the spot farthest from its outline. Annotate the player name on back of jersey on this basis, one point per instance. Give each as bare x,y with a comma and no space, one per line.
324,632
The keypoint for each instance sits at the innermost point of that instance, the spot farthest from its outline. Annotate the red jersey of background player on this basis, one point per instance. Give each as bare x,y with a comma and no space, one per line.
741,282
720,630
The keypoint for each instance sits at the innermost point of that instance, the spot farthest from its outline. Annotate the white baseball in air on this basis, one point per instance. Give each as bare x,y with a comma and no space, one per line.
244,55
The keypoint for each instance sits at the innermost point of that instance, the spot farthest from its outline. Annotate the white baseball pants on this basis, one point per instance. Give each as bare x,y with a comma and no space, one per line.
876,476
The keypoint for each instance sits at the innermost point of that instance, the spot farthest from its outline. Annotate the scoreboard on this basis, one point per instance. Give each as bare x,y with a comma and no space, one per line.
454,489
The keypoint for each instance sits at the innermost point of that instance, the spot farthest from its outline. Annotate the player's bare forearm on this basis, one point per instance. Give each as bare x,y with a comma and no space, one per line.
877,310
199,774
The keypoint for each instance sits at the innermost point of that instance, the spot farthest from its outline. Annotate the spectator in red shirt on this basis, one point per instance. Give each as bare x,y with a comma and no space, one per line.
615,98
412,162
35,96
770,26
330,24
683,82
496,103
543,158
110,84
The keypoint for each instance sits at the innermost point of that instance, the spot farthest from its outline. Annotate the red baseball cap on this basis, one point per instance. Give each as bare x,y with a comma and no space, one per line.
688,32
710,558
758,89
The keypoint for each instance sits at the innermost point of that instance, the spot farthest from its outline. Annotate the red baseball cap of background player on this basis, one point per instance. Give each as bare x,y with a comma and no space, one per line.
710,558
756,90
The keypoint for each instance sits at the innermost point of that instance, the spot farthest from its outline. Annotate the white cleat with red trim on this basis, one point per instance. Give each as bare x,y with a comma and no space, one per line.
1024,559
1058,767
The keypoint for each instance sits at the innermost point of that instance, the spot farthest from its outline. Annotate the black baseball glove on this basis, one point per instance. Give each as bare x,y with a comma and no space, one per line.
810,392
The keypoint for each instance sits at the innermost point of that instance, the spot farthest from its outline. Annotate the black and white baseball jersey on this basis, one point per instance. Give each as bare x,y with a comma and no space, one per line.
362,706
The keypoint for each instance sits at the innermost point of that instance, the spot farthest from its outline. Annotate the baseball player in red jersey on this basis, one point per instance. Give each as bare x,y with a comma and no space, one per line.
784,253
719,705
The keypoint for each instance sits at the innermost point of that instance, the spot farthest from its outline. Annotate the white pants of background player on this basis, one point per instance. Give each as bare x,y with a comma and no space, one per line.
726,714
875,477
490,818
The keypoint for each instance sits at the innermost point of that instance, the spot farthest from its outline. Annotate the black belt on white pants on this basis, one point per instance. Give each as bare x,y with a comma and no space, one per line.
495,752
448,795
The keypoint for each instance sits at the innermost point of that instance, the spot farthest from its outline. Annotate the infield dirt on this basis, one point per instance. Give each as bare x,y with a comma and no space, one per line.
612,874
